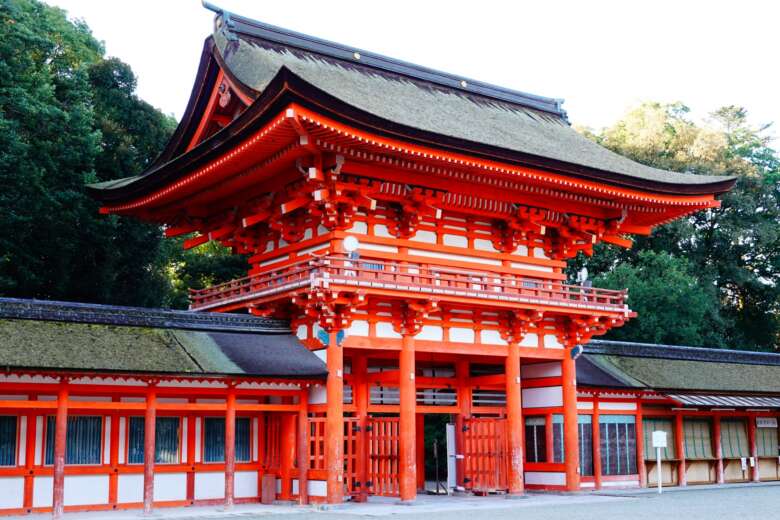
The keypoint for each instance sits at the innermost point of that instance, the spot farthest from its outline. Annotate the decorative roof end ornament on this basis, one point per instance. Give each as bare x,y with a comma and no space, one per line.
223,21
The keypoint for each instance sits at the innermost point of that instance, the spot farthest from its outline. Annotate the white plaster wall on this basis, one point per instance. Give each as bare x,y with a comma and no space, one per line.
38,440
198,426
541,478
170,486
11,492
450,256
246,484
616,406
492,337
551,341
318,488
385,330
542,397
107,441
86,490
185,426
302,332
480,244
42,491
359,228
380,230
209,485
455,240
539,370
426,237
430,332
532,267
130,488
22,451
357,328
585,405
530,340
461,335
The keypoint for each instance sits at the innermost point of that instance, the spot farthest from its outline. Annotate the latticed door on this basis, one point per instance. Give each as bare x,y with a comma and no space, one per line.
485,454
351,432
383,470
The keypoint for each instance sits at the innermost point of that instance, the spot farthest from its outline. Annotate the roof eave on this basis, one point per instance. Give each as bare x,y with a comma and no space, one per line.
287,87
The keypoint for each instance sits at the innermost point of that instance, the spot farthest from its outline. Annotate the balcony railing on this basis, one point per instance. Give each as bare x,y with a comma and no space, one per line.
423,279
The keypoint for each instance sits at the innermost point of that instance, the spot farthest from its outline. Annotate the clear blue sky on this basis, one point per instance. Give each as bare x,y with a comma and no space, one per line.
600,56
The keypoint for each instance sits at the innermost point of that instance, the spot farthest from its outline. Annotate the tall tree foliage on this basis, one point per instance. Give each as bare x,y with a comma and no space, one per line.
732,252
69,117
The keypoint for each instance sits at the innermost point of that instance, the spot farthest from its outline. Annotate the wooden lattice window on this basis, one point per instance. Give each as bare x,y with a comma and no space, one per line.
655,425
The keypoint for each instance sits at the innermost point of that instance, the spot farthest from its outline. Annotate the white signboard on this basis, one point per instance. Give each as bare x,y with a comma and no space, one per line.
659,439
766,422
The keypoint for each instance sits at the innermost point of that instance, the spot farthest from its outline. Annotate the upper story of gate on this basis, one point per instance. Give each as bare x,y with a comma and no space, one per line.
458,191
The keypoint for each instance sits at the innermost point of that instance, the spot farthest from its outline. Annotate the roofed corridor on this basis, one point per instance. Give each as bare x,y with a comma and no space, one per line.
435,281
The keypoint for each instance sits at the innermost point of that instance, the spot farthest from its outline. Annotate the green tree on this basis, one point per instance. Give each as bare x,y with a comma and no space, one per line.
735,248
68,117
673,307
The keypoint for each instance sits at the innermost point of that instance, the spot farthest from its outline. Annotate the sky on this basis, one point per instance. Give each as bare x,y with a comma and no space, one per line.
602,57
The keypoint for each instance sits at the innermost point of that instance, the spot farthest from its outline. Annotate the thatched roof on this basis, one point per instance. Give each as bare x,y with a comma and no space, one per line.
85,337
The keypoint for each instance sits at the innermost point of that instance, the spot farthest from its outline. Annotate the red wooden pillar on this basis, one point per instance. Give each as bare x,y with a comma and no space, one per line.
407,460
570,438
150,423
679,446
303,447
287,449
360,393
718,449
191,440
230,448
464,403
113,478
334,421
514,419
60,431
640,446
756,477
420,450
29,460
596,435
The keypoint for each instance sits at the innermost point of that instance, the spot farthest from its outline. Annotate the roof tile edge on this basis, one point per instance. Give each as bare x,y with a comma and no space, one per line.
50,310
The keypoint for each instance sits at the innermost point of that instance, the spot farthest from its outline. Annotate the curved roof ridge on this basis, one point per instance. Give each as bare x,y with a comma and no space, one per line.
233,23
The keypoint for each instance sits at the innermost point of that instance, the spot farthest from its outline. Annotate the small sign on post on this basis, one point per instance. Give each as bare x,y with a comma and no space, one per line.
659,441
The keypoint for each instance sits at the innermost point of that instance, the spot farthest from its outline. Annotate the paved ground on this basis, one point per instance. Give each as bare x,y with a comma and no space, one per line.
752,502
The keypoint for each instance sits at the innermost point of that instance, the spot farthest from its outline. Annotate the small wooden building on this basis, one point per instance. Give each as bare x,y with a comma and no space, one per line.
87,391
719,408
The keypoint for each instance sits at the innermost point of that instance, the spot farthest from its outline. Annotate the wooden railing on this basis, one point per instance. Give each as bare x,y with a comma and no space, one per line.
415,278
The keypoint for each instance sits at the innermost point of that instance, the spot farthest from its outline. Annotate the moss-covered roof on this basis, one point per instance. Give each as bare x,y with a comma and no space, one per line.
674,368
81,337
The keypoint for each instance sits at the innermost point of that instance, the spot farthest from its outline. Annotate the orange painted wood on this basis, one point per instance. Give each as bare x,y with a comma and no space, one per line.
334,429
514,420
303,448
383,456
407,417
640,446
230,448
718,450
150,420
679,446
486,461
60,429
596,441
570,426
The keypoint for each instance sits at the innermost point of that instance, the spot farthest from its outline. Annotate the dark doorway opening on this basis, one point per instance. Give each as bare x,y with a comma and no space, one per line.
435,426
